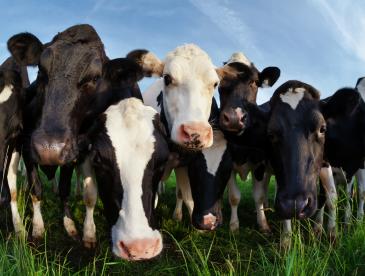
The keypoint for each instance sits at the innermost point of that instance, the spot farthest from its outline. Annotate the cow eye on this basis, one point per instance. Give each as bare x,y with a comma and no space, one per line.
215,85
96,78
273,136
322,129
167,79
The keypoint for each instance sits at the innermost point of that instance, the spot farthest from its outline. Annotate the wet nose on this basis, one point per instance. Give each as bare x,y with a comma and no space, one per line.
207,222
51,151
195,135
141,249
233,120
301,207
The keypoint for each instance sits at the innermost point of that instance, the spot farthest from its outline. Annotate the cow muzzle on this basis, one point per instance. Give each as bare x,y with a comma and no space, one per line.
301,207
140,249
234,120
52,151
194,135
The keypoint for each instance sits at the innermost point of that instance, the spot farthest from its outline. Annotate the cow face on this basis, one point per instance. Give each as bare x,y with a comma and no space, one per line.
129,162
189,80
238,90
10,122
69,69
297,133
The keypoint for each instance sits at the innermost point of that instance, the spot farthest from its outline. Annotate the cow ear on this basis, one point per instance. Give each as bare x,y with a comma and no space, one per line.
25,48
152,66
269,76
122,70
342,103
360,84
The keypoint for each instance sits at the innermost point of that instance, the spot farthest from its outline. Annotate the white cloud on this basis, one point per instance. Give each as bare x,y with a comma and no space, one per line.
347,19
227,19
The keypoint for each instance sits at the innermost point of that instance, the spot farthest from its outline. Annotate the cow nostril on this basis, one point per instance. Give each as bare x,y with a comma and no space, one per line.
244,117
184,133
225,118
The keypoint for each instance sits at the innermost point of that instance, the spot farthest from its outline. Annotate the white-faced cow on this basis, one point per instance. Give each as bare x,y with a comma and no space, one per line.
128,154
188,111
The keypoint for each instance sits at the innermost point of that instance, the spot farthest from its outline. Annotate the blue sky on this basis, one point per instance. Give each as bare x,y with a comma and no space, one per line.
321,42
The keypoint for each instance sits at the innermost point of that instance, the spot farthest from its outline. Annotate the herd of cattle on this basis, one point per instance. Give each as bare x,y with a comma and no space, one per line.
86,111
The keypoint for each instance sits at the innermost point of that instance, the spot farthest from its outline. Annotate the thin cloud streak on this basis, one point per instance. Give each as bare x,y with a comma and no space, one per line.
228,21
348,20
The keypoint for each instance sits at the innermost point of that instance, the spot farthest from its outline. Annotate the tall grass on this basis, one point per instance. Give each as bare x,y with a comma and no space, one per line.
186,251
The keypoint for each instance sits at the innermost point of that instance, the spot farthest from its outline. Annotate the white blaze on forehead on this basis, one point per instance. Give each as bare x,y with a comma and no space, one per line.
189,97
239,57
293,97
6,93
213,155
361,88
130,128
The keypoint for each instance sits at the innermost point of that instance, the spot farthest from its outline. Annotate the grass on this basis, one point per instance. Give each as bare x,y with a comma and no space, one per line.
186,251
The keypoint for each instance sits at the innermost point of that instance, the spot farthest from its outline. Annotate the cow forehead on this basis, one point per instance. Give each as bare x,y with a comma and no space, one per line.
239,57
189,61
293,96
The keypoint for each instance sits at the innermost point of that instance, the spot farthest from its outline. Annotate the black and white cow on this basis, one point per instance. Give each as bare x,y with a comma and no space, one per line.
70,67
128,154
345,141
242,125
13,80
190,115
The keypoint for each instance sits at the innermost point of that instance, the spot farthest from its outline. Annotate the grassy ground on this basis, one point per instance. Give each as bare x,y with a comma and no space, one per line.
185,250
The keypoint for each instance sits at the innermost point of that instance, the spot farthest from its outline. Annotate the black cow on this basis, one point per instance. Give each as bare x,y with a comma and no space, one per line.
13,80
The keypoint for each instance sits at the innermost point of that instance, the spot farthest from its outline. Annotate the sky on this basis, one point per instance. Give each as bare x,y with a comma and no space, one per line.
320,42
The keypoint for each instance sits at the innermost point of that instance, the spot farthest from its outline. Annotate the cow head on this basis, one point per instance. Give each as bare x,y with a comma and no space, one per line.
69,69
11,96
189,80
296,130
129,161
238,88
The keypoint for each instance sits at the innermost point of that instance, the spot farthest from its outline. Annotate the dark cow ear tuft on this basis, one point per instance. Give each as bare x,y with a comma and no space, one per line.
25,48
122,69
152,66
269,76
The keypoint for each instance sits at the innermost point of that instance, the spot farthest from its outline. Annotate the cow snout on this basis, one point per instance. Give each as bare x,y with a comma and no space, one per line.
51,151
234,120
301,207
141,249
195,135
207,222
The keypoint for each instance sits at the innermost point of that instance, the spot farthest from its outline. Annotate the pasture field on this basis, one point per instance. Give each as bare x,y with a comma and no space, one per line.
186,251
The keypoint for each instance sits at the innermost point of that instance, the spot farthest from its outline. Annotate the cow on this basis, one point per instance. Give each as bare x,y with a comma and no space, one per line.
238,89
344,112
128,155
184,97
64,93
13,81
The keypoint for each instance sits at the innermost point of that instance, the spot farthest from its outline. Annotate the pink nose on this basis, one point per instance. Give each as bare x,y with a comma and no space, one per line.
142,249
195,135
50,153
